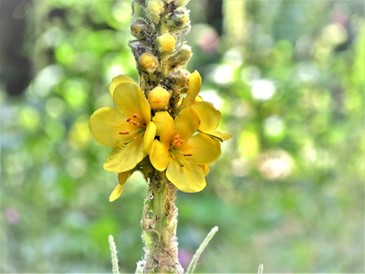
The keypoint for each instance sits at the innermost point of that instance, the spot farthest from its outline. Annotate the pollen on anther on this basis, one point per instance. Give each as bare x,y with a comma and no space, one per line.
123,132
189,154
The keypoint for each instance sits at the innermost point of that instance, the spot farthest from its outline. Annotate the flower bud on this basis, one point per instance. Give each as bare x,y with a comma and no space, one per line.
179,18
181,57
140,28
154,9
148,62
158,98
166,42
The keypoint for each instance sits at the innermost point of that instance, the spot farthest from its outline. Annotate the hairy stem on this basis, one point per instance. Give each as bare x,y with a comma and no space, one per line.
159,222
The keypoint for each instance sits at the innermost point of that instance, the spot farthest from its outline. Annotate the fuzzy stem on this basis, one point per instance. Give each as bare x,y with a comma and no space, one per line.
159,222
261,269
200,250
113,252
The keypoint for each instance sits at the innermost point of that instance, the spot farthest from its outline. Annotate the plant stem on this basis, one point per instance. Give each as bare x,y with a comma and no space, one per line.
159,222
200,250
113,252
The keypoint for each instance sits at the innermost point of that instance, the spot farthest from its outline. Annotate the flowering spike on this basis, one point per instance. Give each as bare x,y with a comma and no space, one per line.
154,129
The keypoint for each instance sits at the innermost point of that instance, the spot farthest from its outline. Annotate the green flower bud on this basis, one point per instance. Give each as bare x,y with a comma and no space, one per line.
140,28
180,57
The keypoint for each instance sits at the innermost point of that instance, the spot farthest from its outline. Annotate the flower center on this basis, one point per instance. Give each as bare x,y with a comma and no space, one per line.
177,156
134,120
178,141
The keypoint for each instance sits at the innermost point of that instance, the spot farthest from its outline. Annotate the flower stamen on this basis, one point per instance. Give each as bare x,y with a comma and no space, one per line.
178,141
135,121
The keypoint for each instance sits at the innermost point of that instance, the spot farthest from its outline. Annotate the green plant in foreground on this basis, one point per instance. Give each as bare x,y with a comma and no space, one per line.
161,127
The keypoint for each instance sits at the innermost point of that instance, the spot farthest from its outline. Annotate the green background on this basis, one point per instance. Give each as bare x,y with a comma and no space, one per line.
288,190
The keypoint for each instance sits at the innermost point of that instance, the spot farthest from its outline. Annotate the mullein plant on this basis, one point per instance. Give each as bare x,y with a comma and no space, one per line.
160,127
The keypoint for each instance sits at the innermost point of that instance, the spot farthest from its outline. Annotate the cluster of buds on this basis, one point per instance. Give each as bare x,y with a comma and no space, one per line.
160,50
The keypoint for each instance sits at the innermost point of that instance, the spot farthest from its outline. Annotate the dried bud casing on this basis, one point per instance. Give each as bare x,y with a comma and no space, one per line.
166,42
148,62
154,9
178,19
140,28
179,79
181,57
138,48
158,98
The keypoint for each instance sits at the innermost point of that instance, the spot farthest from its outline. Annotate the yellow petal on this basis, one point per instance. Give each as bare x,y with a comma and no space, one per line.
117,81
125,158
130,100
205,168
106,124
201,149
195,82
144,106
165,126
209,116
118,190
159,155
148,137
185,175
219,135
186,123
209,120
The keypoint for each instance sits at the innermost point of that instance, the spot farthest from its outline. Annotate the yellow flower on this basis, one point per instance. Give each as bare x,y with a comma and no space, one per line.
208,115
182,153
128,129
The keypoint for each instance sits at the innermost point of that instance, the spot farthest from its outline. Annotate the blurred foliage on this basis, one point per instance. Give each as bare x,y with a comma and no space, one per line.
288,190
